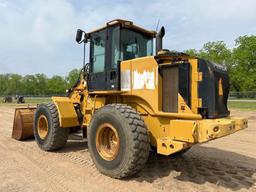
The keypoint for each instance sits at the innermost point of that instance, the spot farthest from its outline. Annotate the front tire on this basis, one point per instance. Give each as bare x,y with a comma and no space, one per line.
47,131
118,141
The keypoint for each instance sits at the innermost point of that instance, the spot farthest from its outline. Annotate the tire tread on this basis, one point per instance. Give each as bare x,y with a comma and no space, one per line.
59,136
140,140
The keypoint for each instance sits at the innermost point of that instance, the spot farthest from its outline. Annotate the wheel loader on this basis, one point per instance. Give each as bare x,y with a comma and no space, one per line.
130,98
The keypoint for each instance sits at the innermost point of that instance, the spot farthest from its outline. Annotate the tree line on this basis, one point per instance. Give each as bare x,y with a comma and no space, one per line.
38,84
240,62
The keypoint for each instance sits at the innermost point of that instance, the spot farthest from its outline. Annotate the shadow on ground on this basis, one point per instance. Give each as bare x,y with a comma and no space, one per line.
209,166
75,143
199,170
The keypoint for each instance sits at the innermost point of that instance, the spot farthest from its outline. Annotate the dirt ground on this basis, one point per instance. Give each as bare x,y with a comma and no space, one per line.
226,164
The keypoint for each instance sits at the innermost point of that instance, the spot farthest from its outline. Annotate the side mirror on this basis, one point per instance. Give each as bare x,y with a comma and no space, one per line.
79,36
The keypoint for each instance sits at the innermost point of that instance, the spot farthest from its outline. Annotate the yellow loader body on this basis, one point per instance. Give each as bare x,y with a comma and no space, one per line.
128,100
169,132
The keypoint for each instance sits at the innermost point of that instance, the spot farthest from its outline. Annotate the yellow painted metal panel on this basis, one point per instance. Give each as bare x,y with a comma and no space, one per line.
240,122
141,80
167,146
182,105
182,130
184,133
195,78
66,110
209,129
178,115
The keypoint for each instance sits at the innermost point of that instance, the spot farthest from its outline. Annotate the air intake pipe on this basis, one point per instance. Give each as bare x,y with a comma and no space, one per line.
159,39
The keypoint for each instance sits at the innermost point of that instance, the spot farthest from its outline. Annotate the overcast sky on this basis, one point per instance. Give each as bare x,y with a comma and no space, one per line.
38,36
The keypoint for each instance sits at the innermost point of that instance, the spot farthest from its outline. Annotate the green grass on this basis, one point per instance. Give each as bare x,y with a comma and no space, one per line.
246,105
242,105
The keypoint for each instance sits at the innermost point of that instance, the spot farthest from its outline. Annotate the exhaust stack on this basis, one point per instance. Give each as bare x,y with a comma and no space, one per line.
159,39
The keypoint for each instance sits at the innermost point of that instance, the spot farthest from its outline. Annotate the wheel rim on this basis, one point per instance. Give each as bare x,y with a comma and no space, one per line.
107,141
42,126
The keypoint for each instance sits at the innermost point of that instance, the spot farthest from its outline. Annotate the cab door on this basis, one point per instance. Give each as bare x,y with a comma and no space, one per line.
98,75
105,60
113,58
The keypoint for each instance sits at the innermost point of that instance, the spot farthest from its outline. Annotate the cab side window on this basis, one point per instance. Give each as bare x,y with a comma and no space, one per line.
98,43
134,45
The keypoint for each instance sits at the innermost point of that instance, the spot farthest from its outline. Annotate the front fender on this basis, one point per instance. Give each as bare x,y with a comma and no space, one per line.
66,110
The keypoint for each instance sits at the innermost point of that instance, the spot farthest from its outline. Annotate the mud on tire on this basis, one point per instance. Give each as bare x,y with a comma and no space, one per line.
134,142
55,136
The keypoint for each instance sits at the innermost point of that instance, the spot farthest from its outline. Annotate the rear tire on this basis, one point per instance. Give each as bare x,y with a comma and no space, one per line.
130,150
47,131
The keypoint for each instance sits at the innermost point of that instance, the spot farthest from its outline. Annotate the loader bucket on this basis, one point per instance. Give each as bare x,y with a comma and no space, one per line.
23,123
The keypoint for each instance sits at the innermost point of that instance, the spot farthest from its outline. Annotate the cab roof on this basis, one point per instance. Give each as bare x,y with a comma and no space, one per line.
126,24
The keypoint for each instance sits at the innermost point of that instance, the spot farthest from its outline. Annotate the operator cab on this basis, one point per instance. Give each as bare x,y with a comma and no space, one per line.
119,40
